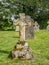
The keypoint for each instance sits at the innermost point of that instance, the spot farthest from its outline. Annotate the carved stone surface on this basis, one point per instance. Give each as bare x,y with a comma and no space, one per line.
22,52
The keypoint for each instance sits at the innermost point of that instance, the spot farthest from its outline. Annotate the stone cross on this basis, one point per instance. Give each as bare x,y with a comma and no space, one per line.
21,49
21,22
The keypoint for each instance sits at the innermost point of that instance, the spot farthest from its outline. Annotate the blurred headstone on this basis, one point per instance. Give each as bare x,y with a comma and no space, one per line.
29,29
16,28
47,26
36,26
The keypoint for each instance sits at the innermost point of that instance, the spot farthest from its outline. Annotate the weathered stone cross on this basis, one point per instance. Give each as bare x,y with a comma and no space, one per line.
21,22
22,50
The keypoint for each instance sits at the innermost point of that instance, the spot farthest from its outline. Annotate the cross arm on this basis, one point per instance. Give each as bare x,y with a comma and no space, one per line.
16,22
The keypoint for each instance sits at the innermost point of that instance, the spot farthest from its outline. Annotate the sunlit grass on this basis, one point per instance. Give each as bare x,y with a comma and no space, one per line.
39,45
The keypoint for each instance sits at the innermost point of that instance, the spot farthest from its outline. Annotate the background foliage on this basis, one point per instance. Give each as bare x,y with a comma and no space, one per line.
37,9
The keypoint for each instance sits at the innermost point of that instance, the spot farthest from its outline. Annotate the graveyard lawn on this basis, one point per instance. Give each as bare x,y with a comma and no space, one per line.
39,45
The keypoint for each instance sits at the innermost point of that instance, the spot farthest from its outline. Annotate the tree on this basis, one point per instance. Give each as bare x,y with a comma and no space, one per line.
37,9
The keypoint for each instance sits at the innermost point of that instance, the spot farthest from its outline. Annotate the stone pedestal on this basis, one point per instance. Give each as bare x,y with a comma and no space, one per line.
22,51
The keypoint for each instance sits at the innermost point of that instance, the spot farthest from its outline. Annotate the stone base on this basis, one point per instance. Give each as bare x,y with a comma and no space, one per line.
22,51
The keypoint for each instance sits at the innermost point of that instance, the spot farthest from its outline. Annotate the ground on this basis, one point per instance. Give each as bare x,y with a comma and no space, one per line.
39,45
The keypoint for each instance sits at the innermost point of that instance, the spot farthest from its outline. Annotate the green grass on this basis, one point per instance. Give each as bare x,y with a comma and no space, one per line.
39,45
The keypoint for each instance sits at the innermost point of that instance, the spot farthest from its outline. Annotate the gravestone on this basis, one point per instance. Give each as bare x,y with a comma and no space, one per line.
16,28
47,26
22,49
36,26
29,29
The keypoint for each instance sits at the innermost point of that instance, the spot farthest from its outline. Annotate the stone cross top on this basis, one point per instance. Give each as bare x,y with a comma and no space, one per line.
21,22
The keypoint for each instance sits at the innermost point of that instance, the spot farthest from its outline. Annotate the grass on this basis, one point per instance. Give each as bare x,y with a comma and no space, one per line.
39,45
